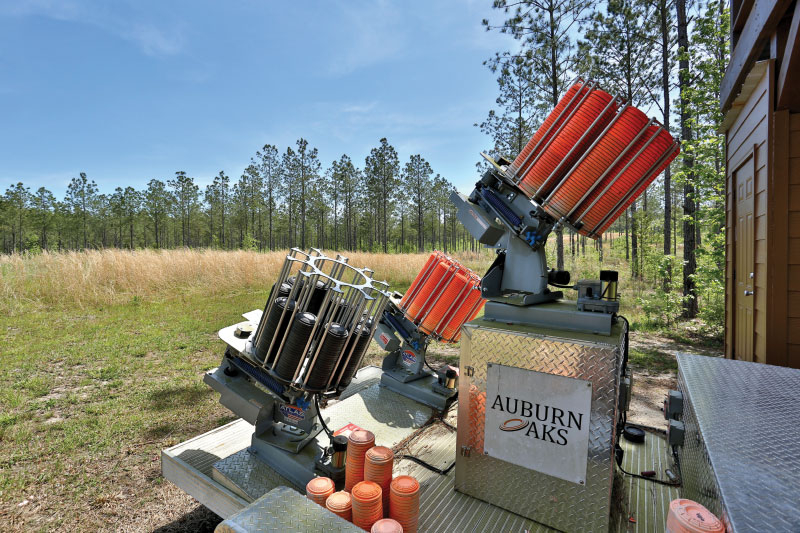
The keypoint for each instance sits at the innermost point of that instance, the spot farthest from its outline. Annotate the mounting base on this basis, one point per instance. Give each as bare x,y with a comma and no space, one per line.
558,315
420,390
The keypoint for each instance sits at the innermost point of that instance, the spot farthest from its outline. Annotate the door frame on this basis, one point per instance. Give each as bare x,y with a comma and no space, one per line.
743,160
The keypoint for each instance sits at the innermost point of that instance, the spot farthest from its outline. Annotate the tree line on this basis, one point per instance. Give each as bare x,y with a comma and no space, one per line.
666,55
282,199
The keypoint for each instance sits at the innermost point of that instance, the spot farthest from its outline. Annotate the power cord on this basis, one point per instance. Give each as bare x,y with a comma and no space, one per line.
427,465
328,432
654,480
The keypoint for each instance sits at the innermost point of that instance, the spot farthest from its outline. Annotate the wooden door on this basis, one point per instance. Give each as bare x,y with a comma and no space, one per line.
744,273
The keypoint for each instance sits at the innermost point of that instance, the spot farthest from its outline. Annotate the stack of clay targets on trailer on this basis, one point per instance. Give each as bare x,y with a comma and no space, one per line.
378,469
367,502
386,525
319,489
358,443
339,503
404,502
443,297
591,158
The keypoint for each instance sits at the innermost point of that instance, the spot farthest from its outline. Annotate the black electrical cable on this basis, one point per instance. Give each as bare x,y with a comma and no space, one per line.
328,432
654,480
424,360
427,465
560,286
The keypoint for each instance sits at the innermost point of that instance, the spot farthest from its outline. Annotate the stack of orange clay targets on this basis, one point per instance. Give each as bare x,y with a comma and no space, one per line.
443,297
386,525
404,502
372,499
358,443
339,503
378,469
367,500
319,489
591,158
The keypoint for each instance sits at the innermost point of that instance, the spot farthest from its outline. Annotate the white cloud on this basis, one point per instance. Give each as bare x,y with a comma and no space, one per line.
129,26
359,108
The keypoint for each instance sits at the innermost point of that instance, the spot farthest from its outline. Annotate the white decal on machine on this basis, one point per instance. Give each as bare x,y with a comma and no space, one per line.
539,421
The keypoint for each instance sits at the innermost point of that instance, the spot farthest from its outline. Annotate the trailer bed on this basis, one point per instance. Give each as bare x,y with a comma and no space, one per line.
190,465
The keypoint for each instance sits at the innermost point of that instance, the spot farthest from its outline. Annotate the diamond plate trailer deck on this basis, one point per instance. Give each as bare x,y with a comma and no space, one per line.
190,465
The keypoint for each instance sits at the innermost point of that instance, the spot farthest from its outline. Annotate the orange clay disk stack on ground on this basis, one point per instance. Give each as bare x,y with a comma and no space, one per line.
378,469
404,502
386,525
339,504
687,516
319,488
358,443
367,501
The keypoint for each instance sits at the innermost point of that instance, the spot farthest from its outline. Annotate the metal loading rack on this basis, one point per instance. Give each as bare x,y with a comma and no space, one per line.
308,342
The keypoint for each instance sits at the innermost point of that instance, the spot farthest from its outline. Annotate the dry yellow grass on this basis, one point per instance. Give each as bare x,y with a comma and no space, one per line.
104,277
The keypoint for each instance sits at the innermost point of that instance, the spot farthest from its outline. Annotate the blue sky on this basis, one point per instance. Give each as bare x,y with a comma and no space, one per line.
132,90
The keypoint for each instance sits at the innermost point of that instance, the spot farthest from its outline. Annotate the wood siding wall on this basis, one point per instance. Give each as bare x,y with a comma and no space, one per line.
793,294
748,136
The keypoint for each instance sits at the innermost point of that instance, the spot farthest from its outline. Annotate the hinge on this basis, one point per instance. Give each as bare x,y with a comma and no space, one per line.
470,371
465,450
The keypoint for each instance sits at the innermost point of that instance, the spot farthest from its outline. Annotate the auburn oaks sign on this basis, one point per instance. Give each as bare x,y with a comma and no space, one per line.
538,421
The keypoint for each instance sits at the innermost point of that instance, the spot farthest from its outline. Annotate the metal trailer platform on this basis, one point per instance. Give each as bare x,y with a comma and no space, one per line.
741,450
191,466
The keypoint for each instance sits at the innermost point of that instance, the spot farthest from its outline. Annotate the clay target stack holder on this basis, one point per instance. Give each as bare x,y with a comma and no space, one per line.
591,158
317,322
443,297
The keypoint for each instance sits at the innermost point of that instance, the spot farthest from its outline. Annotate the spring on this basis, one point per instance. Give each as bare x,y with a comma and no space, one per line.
327,357
361,338
270,328
294,348
502,208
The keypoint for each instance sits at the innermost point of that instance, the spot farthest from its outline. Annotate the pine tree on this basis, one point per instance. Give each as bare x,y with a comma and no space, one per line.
617,52
81,194
690,305
269,165
545,29
382,165
417,177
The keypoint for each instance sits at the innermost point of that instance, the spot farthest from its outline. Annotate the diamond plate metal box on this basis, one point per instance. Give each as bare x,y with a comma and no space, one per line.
555,502
287,511
741,452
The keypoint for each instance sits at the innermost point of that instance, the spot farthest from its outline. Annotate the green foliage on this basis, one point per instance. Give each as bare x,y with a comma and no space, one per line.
249,242
664,306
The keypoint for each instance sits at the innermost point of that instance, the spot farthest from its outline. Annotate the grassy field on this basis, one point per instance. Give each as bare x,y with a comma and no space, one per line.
102,357
101,363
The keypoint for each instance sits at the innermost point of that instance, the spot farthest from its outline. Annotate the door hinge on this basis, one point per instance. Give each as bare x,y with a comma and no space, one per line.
470,371
465,450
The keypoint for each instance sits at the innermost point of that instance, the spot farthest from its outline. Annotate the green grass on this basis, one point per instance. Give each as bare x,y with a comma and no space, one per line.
90,394
652,360
86,395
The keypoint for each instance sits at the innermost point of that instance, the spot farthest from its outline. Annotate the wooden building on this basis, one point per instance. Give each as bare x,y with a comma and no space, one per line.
760,96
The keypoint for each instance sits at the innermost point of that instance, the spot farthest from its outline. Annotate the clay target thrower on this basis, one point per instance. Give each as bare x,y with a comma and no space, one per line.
591,158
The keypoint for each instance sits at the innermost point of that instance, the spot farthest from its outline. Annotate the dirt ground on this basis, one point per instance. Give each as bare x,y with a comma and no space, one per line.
650,386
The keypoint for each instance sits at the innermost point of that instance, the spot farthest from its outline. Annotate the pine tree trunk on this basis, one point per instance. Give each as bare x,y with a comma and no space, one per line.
689,260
